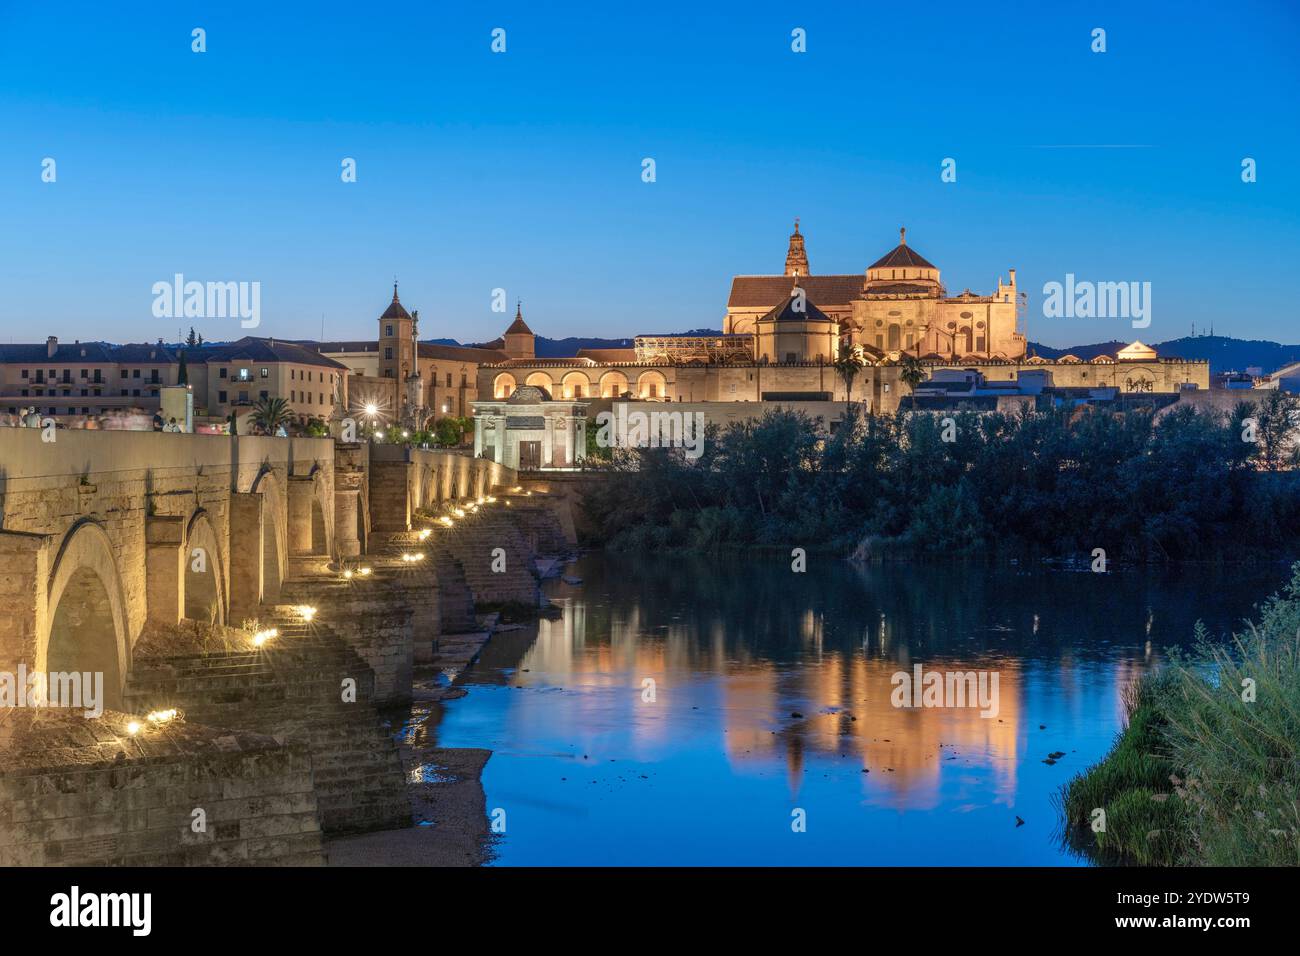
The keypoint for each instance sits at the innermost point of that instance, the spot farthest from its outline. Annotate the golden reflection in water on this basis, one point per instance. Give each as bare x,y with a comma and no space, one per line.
844,701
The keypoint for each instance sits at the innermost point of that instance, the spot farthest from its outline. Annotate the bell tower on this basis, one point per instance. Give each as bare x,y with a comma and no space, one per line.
796,260
396,341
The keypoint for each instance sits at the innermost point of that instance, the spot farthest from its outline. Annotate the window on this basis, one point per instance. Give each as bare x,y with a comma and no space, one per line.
245,374
221,397
266,372
67,375
135,373
293,395
85,391
388,331
98,377
464,380
320,396
222,373
124,373
24,373
449,379
262,394
136,392
85,373
388,351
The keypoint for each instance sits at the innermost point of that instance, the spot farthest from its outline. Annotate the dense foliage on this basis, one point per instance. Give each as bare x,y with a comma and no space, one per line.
1207,772
1056,482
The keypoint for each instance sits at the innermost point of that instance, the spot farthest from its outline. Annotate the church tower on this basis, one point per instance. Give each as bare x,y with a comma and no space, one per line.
796,260
519,341
396,341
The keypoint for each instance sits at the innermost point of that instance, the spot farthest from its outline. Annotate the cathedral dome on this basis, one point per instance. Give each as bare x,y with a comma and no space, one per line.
903,263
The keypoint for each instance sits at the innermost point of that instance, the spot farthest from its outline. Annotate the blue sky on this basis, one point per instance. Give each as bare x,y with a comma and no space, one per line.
522,170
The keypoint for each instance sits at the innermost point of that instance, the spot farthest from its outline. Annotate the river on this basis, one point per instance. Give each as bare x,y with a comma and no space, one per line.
768,734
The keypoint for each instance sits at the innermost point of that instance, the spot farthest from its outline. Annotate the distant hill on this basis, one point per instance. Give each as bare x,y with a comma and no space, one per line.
1225,354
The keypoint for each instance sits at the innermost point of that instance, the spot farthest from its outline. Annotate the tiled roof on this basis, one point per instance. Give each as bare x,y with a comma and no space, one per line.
86,352
519,326
462,353
251,349
395,308
749,292
902,256
790,311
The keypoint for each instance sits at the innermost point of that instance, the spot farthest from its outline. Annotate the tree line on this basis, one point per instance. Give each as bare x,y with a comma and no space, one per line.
1057,482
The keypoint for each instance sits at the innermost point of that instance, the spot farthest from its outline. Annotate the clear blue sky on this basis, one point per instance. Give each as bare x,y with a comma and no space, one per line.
523,170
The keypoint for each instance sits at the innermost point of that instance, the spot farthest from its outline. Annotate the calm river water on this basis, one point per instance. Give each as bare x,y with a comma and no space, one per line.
715,769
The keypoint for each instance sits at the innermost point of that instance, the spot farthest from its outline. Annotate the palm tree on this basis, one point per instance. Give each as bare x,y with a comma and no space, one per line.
270,413
912,374
850,363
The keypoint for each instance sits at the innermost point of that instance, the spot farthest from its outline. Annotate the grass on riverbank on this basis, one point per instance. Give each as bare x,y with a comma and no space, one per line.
1207,772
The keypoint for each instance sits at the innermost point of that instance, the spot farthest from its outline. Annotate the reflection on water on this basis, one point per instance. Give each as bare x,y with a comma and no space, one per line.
772,694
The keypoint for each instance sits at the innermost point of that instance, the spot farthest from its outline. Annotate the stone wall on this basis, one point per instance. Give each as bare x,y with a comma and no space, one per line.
87,793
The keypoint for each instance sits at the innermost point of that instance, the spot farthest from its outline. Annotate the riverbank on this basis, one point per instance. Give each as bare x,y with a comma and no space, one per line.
1207,770
449,802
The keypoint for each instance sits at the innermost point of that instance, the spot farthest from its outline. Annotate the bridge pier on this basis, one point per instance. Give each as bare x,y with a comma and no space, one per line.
24,570
164,537
245,555
302,491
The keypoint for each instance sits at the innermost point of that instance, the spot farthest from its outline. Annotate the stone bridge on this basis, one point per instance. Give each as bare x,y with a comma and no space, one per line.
102,533
119,550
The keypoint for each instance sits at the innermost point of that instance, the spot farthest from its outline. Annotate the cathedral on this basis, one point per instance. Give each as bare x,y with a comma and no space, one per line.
898,305
781,338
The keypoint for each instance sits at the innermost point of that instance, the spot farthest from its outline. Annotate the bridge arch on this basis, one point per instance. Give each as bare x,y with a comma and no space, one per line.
205,579
274,534
88,628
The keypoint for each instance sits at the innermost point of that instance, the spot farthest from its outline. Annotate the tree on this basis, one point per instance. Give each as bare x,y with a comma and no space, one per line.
851,361
1277,431
182,372
193,339
912,374
270,413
